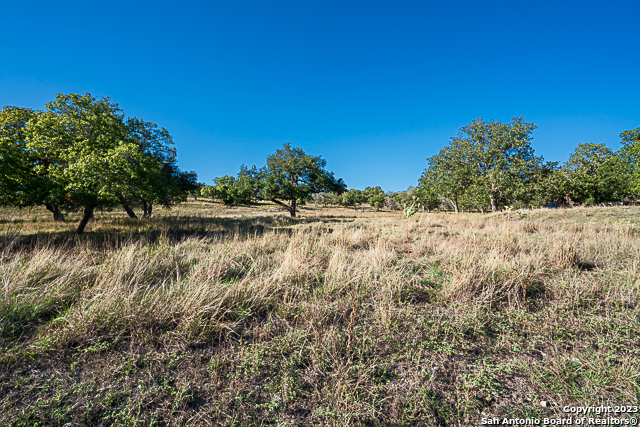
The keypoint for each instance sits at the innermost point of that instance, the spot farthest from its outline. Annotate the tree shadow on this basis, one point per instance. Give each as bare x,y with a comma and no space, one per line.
586,266
114,232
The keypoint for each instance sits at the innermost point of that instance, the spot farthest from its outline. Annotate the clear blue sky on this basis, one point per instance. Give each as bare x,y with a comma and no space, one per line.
374,87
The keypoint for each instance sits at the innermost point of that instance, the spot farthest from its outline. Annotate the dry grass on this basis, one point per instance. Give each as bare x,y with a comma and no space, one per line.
246,317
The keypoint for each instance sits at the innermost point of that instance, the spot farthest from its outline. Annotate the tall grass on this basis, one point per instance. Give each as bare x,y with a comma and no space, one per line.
325,319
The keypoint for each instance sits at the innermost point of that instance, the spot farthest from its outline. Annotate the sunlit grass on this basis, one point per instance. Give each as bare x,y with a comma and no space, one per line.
208,315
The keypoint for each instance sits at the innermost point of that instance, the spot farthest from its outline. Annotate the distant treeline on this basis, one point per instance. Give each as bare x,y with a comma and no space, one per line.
488,166
491,165
81,153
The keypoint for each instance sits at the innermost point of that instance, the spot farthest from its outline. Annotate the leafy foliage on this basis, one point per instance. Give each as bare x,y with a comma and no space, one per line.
369,192
81,154
631,154
377,202
500,157
293,176
353,198
18,181
489,164
595,174
234,191
448,174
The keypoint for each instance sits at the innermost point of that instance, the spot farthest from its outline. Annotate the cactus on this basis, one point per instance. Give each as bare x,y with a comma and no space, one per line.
409,211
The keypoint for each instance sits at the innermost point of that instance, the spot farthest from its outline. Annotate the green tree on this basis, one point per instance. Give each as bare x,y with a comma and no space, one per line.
148,173
198,189
426,194
631,152
19,186
178,185
353,198
26,179
487,163
228,191
86,137
100,161
208,191
80,154
369,192
377,202
235,191
248,185
333,198
502,156
546,183
595,174
221,189
293,176
449,174
154,176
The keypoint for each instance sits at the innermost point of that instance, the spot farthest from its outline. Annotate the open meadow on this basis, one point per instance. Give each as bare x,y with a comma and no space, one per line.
204,315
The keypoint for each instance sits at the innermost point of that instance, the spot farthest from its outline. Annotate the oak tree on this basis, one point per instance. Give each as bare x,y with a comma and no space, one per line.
291,177
595,174
353,198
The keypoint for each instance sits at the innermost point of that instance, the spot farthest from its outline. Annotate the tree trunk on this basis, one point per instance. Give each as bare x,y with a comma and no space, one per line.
454,202
86,216
146,209
494,207
57,215
291,209
128,209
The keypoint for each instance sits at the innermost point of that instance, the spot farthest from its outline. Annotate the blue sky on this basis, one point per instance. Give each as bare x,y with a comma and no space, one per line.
374,87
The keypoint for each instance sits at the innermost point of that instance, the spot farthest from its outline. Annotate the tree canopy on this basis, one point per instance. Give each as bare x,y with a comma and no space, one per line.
291,176
18,180
81,154
489,163
376,202
353,198
631,154
234,191
595,174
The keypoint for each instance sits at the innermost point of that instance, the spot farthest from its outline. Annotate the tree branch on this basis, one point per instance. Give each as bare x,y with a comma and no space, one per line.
284,205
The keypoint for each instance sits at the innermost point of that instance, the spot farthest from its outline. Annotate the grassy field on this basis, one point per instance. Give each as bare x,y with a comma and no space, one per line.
245,317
